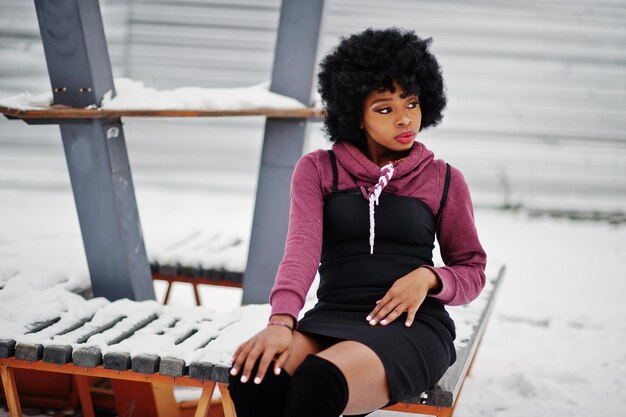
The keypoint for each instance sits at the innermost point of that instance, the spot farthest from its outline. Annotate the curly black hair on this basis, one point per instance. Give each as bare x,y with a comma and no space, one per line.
371,61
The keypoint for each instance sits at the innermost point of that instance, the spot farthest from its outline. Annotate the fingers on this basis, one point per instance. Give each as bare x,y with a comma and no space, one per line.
239,358
386,312
281,361
267,357
406,295
379,305
410,316
392,315
251,360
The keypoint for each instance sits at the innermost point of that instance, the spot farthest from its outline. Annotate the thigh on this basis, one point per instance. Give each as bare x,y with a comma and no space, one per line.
367,381
303,345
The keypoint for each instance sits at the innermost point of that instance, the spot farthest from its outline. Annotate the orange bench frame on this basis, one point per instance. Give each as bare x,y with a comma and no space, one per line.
156,381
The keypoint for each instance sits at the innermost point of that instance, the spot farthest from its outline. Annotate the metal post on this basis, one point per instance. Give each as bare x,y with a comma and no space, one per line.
80,74
294,67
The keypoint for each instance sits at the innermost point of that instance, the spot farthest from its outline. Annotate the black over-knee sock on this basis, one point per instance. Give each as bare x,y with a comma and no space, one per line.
266,399
318,389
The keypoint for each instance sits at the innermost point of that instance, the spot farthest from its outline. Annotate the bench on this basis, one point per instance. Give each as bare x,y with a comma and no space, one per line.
159,346
194,275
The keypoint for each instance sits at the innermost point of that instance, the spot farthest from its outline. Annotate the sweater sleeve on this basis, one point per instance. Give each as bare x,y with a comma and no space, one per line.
463,277
303,246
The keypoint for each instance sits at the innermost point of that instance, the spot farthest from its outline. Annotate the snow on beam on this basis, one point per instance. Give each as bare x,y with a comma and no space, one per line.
133,99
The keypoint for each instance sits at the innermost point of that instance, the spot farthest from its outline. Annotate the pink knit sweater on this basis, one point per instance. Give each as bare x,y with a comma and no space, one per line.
419,175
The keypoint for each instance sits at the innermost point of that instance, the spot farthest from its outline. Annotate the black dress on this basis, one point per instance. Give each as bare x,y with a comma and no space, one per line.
352,280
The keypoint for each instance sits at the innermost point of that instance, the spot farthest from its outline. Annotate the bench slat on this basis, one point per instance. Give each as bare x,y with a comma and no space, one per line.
118,361
28,352
7,348
145,364
172,366
59,355
87,357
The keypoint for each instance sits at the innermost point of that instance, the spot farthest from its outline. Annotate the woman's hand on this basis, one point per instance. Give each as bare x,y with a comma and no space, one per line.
272,343
405,295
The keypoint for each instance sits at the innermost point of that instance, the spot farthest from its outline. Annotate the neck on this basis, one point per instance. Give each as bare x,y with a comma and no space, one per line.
382,157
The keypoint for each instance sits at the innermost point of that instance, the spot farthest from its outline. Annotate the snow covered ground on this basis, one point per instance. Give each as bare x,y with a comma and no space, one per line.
555,345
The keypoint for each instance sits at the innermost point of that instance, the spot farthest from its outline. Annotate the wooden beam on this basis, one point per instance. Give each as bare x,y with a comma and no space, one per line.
66,112
205,401
196,293
164,400
84,394
99,371
168,292
421,409
10,391
227,401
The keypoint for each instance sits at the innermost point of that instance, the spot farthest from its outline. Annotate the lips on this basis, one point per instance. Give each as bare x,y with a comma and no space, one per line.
405,137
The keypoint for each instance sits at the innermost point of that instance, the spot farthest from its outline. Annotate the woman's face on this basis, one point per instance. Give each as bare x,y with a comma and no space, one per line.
390,121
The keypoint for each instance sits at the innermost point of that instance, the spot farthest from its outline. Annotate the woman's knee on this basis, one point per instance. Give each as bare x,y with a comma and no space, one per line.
259,400
365,375
318,389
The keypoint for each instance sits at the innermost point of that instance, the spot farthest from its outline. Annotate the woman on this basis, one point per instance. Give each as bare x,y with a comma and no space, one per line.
368,210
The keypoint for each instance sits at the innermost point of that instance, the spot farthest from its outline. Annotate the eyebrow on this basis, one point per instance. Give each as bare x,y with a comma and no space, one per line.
385,99
380,100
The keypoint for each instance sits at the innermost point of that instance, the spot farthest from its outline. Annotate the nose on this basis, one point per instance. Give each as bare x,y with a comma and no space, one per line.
403,119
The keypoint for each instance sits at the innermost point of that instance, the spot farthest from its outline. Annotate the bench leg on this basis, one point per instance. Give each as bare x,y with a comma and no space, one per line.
82,384
227,402
10,391
164,400
196,293
168,292
205,401
74,400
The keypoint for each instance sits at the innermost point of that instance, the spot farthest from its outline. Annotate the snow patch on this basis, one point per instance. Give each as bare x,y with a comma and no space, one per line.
132,94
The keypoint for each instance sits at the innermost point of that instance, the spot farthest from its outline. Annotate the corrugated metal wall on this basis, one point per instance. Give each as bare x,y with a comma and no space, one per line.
204,43
537,88
22,63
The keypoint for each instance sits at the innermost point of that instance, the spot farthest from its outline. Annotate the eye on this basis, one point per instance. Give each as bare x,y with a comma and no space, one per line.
413,104
383,110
